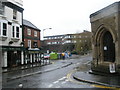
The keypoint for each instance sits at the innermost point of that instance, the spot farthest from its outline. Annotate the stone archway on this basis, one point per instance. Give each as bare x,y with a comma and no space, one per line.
108,47
104,45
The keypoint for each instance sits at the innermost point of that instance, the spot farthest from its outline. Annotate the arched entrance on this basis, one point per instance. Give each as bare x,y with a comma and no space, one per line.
108,47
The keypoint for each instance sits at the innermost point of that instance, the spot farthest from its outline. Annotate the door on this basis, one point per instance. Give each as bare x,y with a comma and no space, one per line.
108,47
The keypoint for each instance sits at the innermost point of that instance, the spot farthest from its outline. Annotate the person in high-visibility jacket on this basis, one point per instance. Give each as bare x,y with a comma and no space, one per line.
63,56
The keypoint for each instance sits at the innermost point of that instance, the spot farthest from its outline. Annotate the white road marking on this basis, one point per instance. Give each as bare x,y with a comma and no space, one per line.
50,85
88,62
63,82
66,80
55,82
62,78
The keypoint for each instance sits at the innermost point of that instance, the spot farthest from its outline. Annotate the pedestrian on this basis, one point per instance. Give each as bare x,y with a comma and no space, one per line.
63,56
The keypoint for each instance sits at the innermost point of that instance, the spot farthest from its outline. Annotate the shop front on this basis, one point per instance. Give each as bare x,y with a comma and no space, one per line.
32,56
12,56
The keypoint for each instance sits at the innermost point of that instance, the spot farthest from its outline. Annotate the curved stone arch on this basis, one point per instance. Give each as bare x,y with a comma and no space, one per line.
98,46
101,30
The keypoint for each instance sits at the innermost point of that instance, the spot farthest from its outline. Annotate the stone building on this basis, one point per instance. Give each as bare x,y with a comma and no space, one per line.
105,25
11,15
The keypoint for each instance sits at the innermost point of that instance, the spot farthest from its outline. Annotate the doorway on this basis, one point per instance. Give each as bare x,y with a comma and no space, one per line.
108,47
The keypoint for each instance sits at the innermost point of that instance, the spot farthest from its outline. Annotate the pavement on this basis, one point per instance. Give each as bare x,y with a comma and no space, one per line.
28,70
88,76
23,67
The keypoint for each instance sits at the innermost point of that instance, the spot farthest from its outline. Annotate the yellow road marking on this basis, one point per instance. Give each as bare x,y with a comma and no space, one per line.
69,77
100,86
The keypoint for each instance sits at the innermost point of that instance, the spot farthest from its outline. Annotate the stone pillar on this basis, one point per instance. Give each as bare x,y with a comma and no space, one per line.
26,59
37,57
30,58
22,57
34,58
5,59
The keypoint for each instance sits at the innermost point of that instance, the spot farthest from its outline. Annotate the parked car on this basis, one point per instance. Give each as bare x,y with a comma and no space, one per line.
46,56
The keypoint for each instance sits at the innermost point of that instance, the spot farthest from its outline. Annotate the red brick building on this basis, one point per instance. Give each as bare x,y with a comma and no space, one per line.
31,37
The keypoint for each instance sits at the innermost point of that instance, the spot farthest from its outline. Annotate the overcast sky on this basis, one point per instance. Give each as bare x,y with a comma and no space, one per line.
63,16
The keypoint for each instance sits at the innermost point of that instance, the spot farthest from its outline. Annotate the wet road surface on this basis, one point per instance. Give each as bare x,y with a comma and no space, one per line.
56,78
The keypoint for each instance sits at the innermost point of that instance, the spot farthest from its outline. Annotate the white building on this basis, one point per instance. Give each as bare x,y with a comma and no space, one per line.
11,16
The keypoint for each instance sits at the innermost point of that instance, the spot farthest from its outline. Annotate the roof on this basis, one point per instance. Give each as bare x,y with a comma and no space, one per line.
105,8
29,24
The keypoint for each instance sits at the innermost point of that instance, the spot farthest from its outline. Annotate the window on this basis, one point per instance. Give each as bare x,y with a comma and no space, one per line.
29,31
17,32
1,8
80,36
29,43
4,29
35,44
49,43
0,28
35,33
14,14
13,31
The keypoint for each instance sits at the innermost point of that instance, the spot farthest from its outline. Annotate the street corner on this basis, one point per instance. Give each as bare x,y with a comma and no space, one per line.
96,80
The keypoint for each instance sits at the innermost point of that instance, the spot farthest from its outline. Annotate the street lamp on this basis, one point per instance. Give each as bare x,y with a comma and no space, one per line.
43,39
44,30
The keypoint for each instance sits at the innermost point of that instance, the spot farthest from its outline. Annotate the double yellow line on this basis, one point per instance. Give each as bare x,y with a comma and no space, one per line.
98,86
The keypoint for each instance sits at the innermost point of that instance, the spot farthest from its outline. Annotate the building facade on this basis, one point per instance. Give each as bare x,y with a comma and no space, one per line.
67,41
106,39
31,36
11,15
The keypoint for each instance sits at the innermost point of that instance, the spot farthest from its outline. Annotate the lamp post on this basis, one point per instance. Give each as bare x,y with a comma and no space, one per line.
43,39
44,30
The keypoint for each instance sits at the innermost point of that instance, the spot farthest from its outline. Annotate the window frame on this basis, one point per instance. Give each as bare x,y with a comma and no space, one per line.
13,31
35,33
16,33
2,8
29,43
14,14
29,31
1,28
